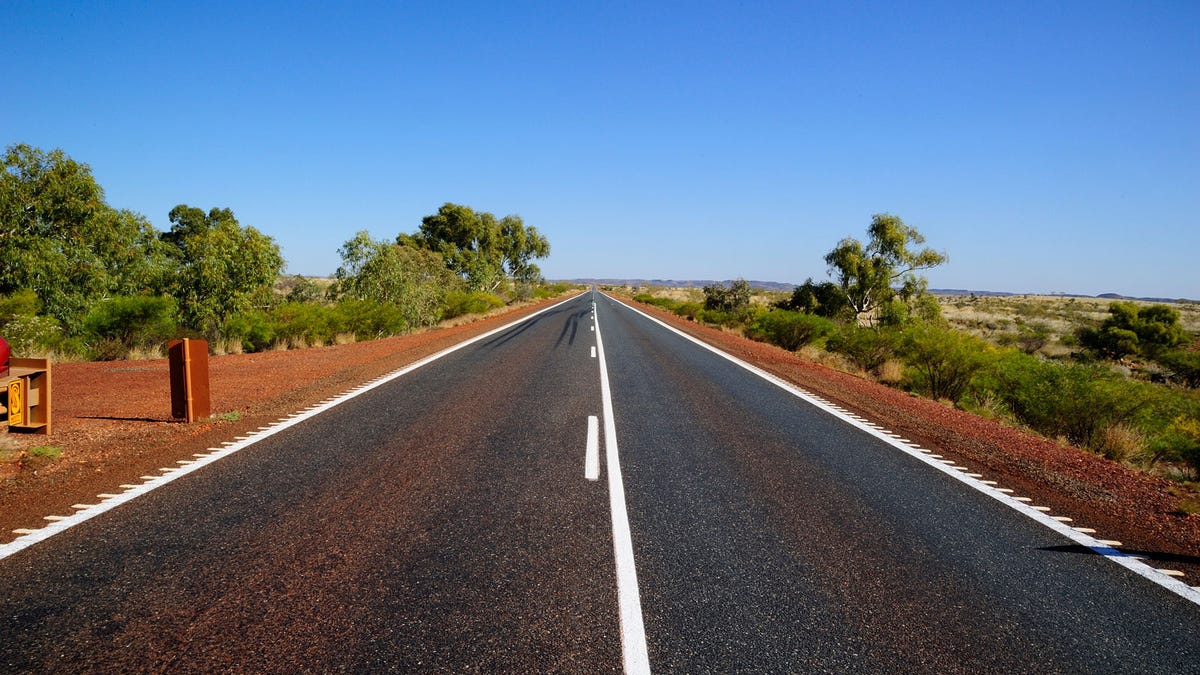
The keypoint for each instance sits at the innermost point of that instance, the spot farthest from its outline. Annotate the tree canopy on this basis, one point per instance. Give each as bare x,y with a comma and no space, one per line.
885,267
222,267
415,280
62,241
480,249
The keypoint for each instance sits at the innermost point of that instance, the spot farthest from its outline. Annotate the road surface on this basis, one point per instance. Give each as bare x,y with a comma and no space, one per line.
444,520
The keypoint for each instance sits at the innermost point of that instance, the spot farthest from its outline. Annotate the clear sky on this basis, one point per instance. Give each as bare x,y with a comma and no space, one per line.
1045,146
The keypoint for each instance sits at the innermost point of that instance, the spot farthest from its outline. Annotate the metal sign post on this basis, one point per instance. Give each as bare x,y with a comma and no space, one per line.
189,379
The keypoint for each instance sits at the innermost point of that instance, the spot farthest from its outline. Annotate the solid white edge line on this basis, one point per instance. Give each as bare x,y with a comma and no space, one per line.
154,482
591,455
1123,559
636,655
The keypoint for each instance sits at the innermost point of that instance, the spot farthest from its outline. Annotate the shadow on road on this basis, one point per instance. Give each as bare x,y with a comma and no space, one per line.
1157,556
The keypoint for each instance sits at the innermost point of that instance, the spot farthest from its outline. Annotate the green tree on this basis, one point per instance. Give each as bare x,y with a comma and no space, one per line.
222,267
521,245
415,280
62,241
481,250
871,274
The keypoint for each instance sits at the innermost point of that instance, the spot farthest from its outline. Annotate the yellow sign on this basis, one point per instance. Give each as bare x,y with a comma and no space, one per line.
16,403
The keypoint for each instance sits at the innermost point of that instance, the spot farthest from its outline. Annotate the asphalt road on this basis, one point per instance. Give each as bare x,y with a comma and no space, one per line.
443,522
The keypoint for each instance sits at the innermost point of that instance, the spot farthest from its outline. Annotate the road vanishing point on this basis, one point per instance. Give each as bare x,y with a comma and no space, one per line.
586,491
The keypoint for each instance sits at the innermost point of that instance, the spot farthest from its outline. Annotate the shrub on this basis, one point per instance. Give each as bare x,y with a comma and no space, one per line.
459,303
790,330
251,328
727,298
304,289
1180,442
33,335
1185,366
304,323
20,304
867,348
544,291
122,323
944,361
824,299
371,320
1072,401
1133,330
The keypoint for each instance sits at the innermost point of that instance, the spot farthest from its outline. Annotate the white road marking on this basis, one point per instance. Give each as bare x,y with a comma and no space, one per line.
591,455
1101,547
633,630
62,523
593,352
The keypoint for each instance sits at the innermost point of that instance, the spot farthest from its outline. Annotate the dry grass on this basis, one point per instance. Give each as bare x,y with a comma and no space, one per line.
1122,443
1001,319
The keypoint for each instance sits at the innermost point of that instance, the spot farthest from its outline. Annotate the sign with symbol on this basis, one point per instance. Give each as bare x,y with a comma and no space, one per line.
16,402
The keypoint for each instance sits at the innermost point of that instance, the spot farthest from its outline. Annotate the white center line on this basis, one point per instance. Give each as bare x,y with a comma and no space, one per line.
591,456
633,631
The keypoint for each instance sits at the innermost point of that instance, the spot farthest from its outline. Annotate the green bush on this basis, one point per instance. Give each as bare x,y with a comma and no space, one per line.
372,320
19,304
1185,366
867,348
1076,402
790,330
1180,442
943,361
459,303
1130,329
252,328
729,298
544,291
304,322
120,324
825,299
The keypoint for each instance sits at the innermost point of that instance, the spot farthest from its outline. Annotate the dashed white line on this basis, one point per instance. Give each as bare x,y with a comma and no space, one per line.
591,455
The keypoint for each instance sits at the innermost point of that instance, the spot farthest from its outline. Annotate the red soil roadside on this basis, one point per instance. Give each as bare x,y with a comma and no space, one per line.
112,421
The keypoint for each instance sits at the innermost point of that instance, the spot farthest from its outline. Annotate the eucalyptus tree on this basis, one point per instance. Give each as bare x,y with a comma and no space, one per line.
480,249
61,240
884,268
222,267
415,280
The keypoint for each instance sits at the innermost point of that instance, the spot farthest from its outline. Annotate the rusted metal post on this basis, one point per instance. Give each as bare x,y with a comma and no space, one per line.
189,379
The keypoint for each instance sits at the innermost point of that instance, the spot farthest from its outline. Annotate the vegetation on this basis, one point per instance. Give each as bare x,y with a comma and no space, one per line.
884,269
1117,378
80,279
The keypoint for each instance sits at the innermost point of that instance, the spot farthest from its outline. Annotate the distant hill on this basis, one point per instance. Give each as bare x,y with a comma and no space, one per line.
1102,296
783,286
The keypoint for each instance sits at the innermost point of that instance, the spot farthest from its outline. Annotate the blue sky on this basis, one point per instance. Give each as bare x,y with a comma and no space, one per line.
1046,147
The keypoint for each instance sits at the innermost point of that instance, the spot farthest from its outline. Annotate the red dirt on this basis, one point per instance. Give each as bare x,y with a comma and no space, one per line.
112,421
